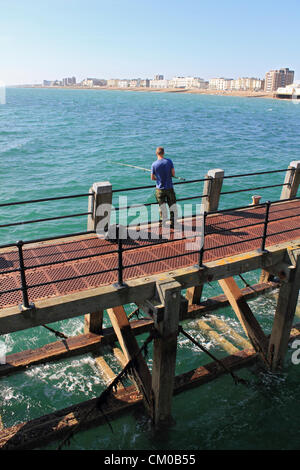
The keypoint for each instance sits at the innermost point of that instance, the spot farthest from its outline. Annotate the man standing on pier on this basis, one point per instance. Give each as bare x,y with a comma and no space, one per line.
162,171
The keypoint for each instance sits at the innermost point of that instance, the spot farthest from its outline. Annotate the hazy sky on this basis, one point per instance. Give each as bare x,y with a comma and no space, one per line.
49,39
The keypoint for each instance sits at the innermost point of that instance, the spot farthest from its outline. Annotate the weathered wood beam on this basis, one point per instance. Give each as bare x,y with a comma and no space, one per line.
243,312
284,314
93,322
138,290
194,294
105,370
130,348
264,276
120,356
226,329
72,346
93,343
57,425
221,301
214,336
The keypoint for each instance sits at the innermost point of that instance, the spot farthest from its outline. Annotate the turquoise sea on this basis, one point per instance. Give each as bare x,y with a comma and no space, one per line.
59,142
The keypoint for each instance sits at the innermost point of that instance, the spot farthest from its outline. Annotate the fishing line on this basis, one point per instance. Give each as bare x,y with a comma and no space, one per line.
140,168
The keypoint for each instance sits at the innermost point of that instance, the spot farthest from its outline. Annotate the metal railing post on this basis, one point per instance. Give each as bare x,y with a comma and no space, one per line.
263,242
26,304
201,254
120,284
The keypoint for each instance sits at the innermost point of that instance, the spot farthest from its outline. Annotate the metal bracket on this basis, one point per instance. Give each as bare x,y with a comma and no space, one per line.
27,311
118,286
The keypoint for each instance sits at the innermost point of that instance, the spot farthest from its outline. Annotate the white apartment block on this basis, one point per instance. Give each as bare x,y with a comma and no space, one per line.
220,83
187,82
159,84
124,83
236,84
247,84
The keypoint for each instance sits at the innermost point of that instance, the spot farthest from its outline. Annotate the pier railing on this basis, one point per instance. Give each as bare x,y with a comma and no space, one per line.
261,221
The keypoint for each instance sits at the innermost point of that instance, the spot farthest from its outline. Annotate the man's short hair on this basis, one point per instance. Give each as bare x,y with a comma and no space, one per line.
160,151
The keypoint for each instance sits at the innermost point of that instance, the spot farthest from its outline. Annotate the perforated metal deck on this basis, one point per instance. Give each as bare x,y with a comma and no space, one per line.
226,228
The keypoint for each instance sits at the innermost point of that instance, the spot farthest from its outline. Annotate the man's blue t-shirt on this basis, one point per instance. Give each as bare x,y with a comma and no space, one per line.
162,169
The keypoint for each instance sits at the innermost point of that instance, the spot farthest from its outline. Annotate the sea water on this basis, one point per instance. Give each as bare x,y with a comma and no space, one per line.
56,142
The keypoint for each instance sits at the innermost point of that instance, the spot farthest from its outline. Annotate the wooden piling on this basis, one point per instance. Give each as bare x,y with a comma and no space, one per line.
284,314
93,322
164,351
194,294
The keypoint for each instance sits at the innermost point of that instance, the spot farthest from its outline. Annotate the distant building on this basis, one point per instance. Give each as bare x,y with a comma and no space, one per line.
278,78
220,83
289,92
124,83
113,83
135,83
56,83
91,82
159,84
158,77
46,82
145,83
253,84
187,82
69,81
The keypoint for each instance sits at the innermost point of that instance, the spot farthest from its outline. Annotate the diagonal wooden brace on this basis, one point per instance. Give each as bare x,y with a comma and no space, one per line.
248,321
129,345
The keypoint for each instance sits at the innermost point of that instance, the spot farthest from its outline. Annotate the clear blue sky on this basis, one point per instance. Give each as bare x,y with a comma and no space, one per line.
49,39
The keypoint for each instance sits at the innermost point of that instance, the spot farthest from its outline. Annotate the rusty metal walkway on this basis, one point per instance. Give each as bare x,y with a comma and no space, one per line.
65,266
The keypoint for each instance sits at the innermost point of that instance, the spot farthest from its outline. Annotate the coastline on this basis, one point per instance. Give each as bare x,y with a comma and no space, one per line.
238,93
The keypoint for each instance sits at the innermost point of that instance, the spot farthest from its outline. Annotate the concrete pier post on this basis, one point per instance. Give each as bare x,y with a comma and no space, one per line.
212,189
292,180
100,206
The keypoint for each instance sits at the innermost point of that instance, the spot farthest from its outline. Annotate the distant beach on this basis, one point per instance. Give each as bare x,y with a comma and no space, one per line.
240,93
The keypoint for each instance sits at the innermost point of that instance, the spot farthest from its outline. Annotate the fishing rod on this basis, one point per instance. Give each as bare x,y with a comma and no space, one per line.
141,168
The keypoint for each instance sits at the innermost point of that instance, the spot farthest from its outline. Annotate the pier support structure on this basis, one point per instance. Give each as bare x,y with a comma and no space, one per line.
285,312
93,322
130,348
161,292
243,312
164,350
99,207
